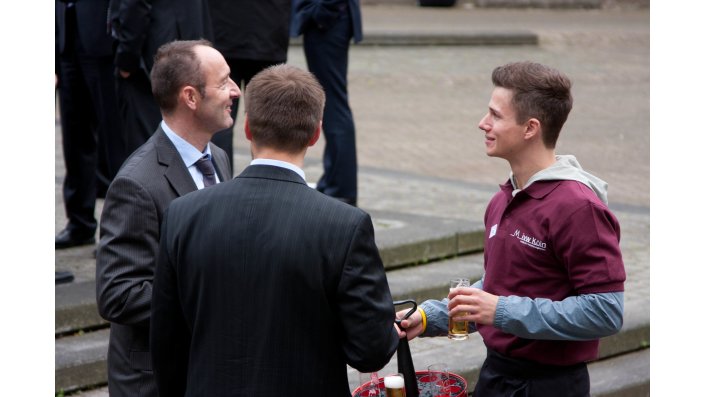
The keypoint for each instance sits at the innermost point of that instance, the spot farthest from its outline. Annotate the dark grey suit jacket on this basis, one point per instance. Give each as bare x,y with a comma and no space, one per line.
149,180
266,287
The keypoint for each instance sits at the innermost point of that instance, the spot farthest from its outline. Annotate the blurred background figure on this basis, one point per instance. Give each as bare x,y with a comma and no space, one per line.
92,139
251,35
140,28
327,27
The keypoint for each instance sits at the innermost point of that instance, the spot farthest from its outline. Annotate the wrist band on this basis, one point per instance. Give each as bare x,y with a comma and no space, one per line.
423,319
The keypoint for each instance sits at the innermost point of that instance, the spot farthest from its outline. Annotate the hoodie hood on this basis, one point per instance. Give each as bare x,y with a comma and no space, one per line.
567,168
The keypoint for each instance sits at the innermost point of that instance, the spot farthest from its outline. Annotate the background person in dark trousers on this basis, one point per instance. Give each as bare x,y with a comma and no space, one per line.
141,27
251,35
554,277
92,140
264,286
327,27
192,86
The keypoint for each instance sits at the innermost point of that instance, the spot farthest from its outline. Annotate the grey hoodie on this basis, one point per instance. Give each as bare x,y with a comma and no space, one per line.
567,168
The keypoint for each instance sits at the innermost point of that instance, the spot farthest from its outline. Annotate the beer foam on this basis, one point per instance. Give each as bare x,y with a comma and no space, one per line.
394,382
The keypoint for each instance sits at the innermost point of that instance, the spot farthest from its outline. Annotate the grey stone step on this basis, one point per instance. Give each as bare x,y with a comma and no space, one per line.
75,307
80,361
626,375
589,4
81,358
402,239
502,3
622,376
405,239
448,38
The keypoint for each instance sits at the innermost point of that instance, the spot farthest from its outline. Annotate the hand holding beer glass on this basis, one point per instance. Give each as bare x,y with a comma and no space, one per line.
458,330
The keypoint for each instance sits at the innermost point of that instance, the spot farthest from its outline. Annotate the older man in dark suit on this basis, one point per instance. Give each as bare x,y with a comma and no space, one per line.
140,28
264,286
191,83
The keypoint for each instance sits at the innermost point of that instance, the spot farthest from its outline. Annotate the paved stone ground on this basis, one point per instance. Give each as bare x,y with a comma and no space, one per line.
417,110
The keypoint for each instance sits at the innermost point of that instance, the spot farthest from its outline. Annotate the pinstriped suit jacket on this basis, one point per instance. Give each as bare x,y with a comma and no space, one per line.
148,181
266,287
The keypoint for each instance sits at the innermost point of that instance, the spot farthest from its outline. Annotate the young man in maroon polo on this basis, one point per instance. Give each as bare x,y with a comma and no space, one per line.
554,276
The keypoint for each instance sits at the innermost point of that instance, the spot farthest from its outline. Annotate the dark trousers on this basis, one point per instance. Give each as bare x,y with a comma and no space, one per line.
502,376
139,112
241,72
92,141
327,58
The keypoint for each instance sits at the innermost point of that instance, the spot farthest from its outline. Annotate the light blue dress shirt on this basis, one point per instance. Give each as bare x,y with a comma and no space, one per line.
189,154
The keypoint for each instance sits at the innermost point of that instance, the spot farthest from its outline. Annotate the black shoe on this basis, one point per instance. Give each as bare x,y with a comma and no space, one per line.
66,240
63,277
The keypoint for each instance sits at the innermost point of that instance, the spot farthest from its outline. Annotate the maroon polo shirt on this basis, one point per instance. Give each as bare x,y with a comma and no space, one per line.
553,240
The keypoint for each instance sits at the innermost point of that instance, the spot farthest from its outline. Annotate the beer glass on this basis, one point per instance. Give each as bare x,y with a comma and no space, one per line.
394,386
439,379
458,330
371,380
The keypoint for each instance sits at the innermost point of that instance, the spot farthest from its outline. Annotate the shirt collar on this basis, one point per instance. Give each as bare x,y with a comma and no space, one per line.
536,190
282,164
189,154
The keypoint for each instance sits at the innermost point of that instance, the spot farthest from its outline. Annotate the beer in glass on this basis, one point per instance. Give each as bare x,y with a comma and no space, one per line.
394,386
458,330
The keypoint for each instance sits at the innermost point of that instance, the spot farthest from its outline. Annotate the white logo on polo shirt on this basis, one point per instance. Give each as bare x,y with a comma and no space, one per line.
532,242
493,231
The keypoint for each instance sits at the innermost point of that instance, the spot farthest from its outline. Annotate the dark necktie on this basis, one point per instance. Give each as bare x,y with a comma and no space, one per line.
205,165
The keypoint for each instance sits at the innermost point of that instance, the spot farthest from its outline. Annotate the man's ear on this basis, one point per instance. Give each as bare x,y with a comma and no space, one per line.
248,133
190,97
532,129
316,134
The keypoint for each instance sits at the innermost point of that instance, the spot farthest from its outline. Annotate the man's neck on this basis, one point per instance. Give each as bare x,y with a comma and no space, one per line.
525,167
271,154
188,132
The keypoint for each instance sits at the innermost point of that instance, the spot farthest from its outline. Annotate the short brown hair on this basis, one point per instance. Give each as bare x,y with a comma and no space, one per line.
176,65
539,92
284,105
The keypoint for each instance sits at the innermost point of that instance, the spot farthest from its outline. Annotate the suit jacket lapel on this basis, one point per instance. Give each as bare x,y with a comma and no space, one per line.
175,171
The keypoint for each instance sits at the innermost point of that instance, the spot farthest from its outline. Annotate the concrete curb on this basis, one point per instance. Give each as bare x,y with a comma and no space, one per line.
623,376
76,307
407,239
403,38
81,361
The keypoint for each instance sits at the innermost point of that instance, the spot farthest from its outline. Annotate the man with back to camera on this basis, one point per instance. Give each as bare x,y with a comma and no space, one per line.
191,84
264,286
554,277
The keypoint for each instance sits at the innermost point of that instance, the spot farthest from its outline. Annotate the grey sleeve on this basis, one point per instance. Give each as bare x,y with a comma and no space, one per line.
583,317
